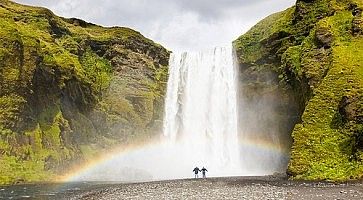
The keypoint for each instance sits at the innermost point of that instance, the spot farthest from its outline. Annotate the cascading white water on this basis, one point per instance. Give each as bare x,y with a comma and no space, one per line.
200,128
201,109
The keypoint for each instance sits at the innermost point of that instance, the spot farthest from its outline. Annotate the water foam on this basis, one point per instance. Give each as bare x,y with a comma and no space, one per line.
200,129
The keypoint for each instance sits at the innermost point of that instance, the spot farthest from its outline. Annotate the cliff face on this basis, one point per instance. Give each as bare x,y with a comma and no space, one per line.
313,53
71,89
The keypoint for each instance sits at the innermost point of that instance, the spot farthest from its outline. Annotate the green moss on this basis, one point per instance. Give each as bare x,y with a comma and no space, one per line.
36,135
250,43
322,151
27,162
10,108
159,85
97,69
19,164
291,59
14,171
50,126
319,59
69,89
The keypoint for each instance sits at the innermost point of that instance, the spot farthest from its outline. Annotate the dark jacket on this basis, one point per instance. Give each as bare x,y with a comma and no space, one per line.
196,170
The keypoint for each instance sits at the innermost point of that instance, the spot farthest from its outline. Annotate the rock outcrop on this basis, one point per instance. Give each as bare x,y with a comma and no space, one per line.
313,55
71,89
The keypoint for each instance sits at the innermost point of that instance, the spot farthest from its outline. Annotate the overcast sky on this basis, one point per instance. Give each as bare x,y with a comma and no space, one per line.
179,25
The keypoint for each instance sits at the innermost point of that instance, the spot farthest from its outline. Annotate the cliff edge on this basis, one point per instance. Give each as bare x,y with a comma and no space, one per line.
313,53
70,90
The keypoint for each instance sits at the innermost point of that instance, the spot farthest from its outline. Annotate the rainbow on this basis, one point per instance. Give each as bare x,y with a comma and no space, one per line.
255,145
100,159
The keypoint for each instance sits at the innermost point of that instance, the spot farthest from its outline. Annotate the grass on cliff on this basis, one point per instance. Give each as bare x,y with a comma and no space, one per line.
325,147
97,69
321,150
249,46
36,141
31,155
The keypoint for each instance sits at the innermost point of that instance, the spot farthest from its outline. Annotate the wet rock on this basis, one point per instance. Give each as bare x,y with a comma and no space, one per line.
357,23
324,37
273,43
357,26
356,11
50,163
57,30
349,109
79,22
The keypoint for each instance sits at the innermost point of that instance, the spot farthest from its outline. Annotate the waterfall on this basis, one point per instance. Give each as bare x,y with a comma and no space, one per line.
201,127
201,109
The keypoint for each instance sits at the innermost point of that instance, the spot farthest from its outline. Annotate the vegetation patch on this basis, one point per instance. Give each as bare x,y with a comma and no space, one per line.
315,51
70,90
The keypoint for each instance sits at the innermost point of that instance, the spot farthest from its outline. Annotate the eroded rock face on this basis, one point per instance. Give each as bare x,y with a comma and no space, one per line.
351,112
316,51
71,89
357,23
324,37
350,109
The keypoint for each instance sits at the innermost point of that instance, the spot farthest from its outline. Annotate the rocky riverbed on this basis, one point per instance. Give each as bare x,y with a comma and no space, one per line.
228,188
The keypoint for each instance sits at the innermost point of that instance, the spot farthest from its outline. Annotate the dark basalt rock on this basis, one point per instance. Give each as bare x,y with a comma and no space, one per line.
357,23
56,30
356,11
348,108
357,26
359,141
324,37
79,22
99,47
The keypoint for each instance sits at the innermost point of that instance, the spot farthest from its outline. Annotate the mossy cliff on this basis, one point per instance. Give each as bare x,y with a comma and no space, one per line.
313,53
71,89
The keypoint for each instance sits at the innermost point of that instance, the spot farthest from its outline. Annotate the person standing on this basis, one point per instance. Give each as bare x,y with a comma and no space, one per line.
196,170
204,170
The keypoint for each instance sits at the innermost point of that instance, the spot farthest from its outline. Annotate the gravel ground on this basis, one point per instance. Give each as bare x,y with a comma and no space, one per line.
228,188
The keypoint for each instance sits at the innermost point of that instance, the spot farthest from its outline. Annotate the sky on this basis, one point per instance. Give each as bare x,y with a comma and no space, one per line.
178,25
